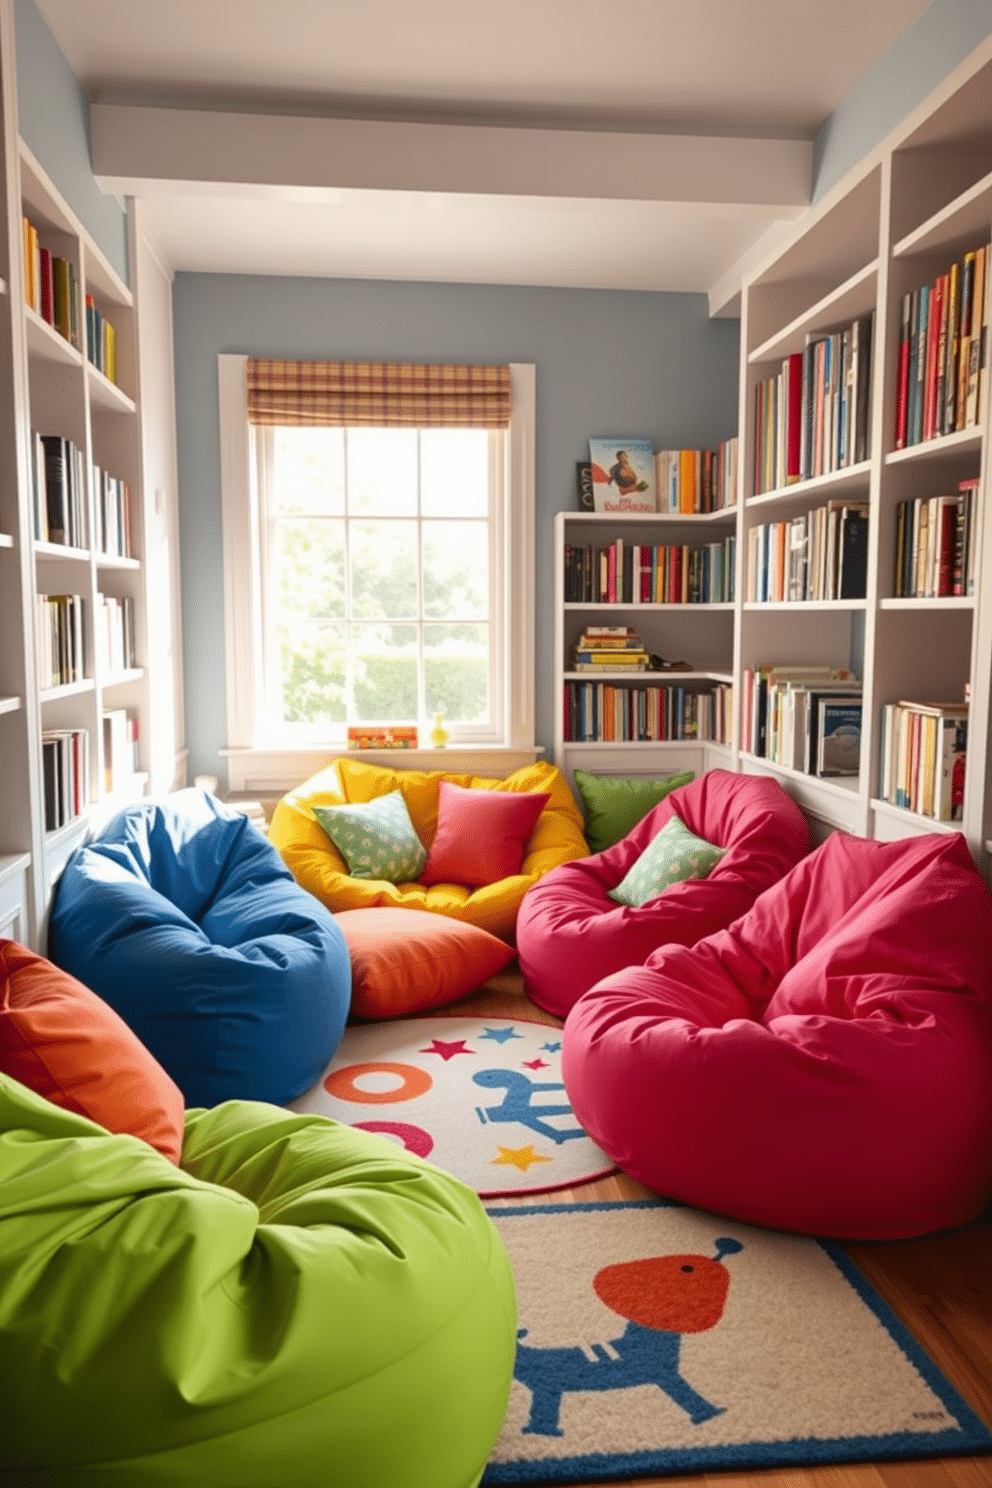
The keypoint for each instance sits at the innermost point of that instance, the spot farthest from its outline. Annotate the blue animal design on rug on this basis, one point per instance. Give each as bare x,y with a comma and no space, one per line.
662,1298
518,1105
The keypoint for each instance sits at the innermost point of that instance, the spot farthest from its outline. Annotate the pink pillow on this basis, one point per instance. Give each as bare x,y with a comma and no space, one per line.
67,1044
482,835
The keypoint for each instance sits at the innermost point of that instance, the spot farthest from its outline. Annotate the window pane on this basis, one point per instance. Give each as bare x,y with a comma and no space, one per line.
385,687
308,469
313,673
384,570
456,672
382,472
456,570
454,472
309,568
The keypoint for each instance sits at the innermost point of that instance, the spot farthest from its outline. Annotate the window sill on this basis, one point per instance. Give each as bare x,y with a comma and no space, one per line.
275,771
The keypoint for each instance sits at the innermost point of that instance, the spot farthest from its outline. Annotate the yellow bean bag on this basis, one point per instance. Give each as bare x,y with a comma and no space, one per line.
318,866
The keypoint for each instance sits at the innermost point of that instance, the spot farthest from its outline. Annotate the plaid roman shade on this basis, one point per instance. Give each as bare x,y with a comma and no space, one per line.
378,394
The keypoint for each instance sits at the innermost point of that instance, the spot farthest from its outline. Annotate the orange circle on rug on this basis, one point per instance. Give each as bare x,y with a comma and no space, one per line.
343,1082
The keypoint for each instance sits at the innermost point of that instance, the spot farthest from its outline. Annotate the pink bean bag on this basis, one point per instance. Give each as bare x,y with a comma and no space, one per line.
570,934
824,1064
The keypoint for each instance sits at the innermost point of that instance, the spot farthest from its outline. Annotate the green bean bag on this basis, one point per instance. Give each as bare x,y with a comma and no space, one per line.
296,1303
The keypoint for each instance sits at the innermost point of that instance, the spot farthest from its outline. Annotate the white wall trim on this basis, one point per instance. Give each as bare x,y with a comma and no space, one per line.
240,574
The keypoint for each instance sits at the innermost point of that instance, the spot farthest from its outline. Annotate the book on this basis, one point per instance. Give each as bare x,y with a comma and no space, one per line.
971,399
853,555
583,485
838,750
902,374
623,474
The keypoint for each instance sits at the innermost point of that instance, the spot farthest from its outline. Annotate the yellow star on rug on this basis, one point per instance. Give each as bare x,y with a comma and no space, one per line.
518,1157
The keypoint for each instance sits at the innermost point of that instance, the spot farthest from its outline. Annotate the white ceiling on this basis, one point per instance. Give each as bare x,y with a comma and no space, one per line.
599,143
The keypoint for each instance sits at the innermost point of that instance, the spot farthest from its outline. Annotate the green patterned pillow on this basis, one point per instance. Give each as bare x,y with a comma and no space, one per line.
672,856
376,838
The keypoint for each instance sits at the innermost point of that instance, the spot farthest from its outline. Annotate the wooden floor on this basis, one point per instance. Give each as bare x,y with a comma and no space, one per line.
940,1286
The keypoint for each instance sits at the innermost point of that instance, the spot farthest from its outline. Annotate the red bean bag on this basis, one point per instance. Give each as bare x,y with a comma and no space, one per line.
824,1064
570,934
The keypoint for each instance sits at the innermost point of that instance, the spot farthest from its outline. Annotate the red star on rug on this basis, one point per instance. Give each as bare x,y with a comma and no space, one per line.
518,1157
535,1064
447,1048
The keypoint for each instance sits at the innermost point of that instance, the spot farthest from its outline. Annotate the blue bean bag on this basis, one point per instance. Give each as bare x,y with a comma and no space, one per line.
184,918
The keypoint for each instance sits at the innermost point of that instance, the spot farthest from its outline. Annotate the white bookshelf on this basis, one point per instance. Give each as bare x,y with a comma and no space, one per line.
920,201
700,633
48,384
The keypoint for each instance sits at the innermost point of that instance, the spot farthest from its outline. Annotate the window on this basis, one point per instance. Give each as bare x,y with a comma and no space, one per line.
374,575
380,581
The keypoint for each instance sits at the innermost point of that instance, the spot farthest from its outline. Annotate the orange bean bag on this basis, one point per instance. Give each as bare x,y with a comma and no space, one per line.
318,866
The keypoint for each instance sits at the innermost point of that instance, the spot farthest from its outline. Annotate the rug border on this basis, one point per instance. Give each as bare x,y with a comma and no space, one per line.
973,1436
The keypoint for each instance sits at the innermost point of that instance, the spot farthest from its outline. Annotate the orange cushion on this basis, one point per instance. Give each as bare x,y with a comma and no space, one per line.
64,1042
404,961
482,835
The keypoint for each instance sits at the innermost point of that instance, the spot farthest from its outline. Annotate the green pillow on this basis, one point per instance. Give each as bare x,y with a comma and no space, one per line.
614,804
672,856
376,838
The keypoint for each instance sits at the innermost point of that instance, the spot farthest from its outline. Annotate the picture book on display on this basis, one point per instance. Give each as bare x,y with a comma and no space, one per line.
623,474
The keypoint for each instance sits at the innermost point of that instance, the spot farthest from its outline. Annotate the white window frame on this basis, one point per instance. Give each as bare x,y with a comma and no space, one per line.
257,767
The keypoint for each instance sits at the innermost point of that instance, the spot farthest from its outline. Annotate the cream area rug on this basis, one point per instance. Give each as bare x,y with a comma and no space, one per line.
655,1338
480,1097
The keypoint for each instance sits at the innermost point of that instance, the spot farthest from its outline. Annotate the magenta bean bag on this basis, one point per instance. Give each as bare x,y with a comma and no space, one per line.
823,1065
570,934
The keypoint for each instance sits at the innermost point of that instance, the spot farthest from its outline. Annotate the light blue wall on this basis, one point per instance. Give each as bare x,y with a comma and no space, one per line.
607,362
937,41
54,120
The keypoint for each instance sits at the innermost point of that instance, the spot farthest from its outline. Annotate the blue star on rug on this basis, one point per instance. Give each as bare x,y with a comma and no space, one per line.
500,1035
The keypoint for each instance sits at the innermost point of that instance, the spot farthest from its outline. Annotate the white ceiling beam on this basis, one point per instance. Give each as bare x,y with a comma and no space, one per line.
137,150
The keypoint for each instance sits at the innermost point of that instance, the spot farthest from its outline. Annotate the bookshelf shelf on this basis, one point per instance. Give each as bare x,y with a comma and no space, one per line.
936,603
47,344
105,395
6,540
9,704
856,296
802,494
910,822
123,679
631,606
802,606
955,226
963,441
60,553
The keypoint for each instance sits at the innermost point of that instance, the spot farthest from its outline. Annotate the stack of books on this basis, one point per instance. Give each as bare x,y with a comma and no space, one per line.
923,750
65,757
936,544
807,718
610,648
812,415
51,286
101,340
821,555
942,363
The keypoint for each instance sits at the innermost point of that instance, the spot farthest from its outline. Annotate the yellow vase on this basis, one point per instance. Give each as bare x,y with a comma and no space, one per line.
439,734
